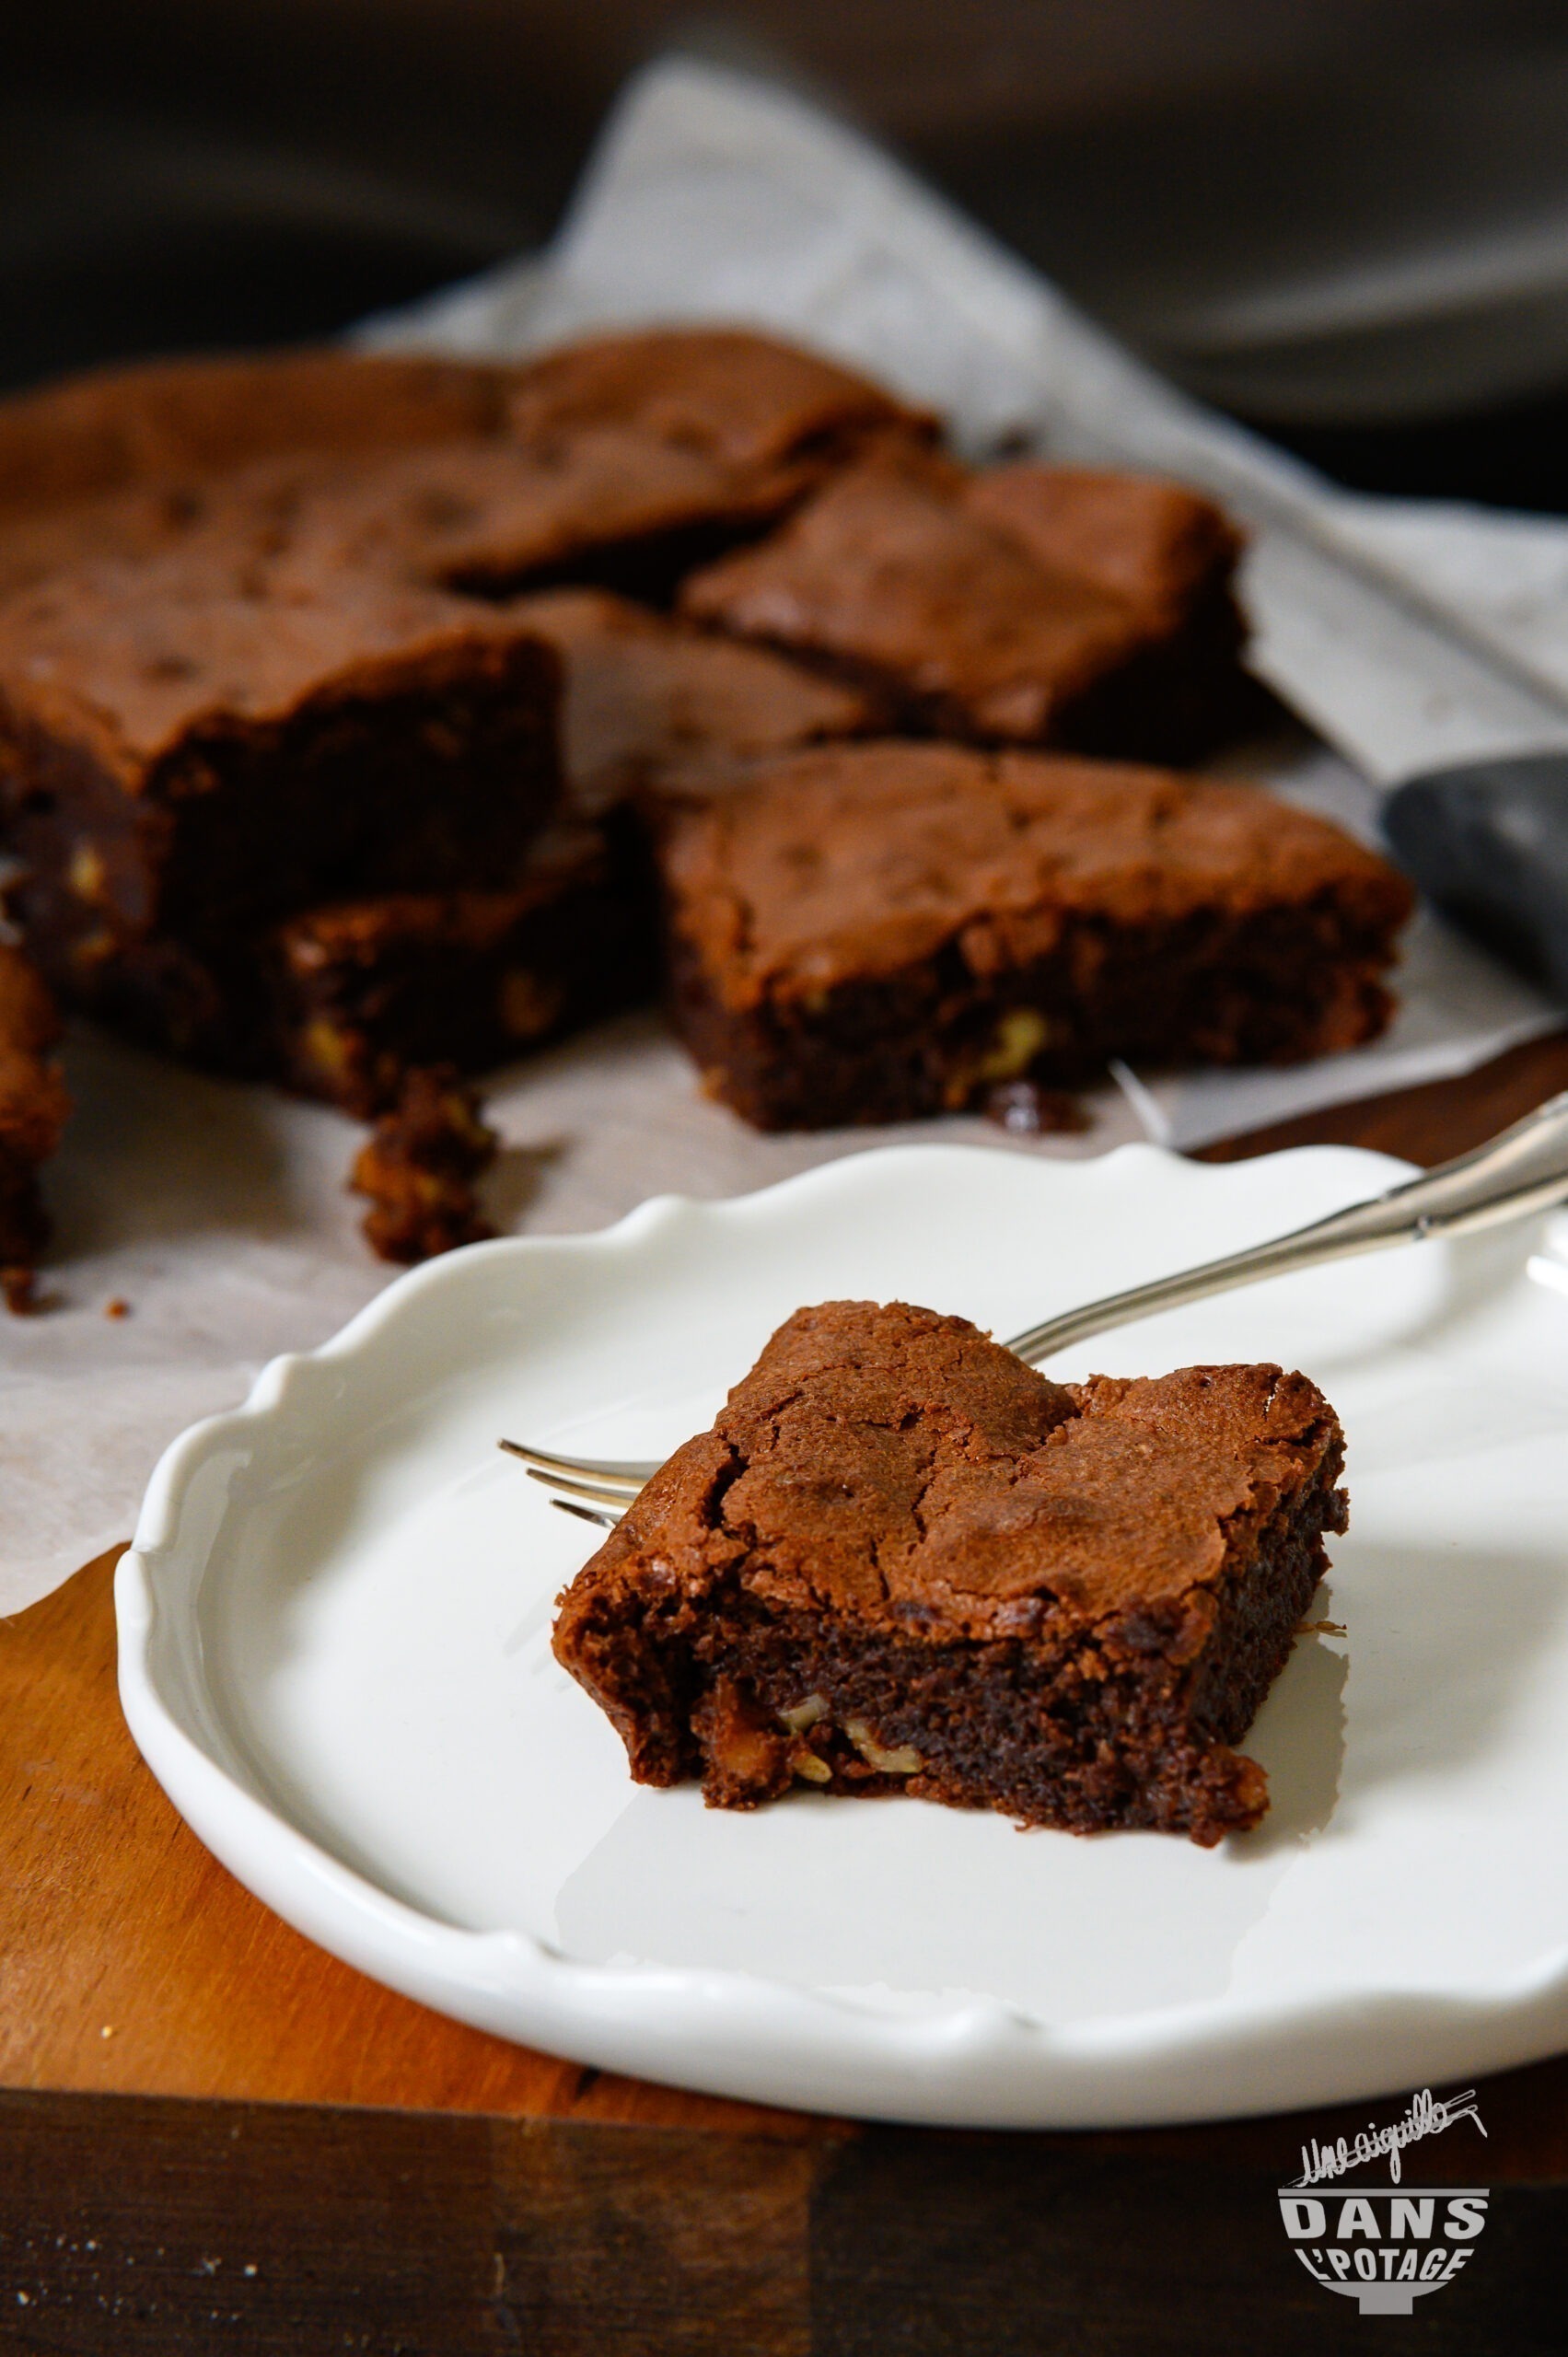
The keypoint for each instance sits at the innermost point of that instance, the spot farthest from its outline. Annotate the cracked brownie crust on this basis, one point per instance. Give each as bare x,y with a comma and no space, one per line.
903,1560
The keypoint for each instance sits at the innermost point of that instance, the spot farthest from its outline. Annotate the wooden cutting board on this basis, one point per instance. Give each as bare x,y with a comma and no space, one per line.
215,2136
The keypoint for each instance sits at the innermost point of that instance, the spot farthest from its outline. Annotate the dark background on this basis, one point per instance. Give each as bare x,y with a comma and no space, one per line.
1347,220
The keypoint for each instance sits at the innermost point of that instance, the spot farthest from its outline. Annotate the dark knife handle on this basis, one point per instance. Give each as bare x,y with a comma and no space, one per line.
1489,844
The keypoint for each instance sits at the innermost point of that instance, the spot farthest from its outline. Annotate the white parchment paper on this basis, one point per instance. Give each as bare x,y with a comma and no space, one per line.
219,1212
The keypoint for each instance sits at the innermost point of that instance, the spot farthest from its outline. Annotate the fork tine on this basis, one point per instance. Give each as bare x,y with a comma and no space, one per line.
585,1513
624,1480
597,1492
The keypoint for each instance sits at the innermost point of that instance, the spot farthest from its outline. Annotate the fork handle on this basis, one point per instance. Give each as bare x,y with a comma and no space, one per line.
1522,1170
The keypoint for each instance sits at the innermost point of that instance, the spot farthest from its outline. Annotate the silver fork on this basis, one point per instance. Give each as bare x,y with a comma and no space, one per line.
1523,1169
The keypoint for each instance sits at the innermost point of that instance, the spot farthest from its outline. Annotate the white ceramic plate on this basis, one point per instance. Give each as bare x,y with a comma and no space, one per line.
334,1655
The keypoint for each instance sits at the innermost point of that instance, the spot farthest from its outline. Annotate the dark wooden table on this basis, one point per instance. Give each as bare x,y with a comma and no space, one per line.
214,2137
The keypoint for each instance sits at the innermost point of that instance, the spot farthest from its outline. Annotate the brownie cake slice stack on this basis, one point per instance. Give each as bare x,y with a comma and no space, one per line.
901,1561
362,988
189,753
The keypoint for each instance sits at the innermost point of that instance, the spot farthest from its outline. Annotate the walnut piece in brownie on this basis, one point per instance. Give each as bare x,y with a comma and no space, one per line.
189,750
903,1560
33,1112
365,990
988,609
419,1169
882,931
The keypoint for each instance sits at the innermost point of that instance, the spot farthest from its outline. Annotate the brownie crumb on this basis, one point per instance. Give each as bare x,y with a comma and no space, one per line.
419,1169
19,1288
1027,1110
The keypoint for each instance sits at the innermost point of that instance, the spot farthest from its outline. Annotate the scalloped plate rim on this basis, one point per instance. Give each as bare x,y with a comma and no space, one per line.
968,2061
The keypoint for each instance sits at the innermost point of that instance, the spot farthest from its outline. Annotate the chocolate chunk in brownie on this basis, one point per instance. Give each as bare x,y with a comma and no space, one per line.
869,932
643,692
190,749
419,1169
985,611
903,1560
363,990
33,1112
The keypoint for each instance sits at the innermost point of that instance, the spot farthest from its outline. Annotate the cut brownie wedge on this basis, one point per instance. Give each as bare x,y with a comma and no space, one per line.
1001,608
1171,556
878,931
744,399
1155,544
363,991
887,577
190,749
903,1560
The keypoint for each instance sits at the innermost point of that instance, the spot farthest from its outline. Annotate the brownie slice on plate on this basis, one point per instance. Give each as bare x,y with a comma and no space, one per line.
876,932
33,1112
903,1560
191,749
